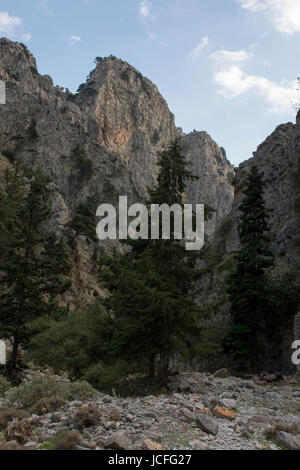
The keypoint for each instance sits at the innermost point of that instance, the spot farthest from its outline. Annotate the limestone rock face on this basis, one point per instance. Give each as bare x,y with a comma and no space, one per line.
278,159
99,143
209,162
127,115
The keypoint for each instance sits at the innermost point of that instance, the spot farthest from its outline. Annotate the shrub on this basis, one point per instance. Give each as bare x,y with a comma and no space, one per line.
283,294
80,390
84,222
28,394
87,417
8,415
5,385
106,377
63,440
20,431
67,440
48,405
72,343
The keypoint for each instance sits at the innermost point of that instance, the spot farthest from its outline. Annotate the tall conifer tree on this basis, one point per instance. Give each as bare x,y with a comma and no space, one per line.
247,285
153,296
33,263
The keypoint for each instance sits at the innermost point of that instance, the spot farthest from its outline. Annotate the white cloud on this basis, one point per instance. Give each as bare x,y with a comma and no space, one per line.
44,7
224,57
284,14
8,24
194,53
145,9
73,39
26,37
151,36
234,82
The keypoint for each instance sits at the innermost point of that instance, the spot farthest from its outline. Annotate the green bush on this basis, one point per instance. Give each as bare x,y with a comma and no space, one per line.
71,344
5,385
283,293
28,394
80,390
106,377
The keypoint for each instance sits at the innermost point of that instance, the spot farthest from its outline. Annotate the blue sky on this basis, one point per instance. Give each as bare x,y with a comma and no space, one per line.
228,67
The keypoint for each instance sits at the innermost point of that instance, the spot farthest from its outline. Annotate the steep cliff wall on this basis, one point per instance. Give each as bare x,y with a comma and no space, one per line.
215,172
99,143
278,159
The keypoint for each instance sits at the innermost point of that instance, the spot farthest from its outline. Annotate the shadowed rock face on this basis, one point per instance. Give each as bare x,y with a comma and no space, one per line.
209,162
118,118
278,159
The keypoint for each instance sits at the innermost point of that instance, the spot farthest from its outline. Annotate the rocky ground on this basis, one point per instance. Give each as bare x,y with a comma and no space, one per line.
201,411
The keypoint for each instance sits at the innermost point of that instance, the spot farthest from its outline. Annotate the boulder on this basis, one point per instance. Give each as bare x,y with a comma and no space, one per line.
207,424
287,440
228,403
119,441
198,445
224,413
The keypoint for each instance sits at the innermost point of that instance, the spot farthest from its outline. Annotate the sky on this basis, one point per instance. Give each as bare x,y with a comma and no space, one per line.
228,67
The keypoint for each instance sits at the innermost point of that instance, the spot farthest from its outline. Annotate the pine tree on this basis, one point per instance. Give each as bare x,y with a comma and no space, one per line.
247,286
32,262
153,299
84,222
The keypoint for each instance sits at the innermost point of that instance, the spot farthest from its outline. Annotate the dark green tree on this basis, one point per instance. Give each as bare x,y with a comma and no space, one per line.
84,222
33,262
247,286
152,287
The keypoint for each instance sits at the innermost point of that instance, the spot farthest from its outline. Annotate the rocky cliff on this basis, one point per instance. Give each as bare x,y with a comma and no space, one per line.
278,158
99,143
215,173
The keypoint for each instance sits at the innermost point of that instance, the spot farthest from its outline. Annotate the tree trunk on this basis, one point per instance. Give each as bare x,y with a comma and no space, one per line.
164,364
152,367
12,363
